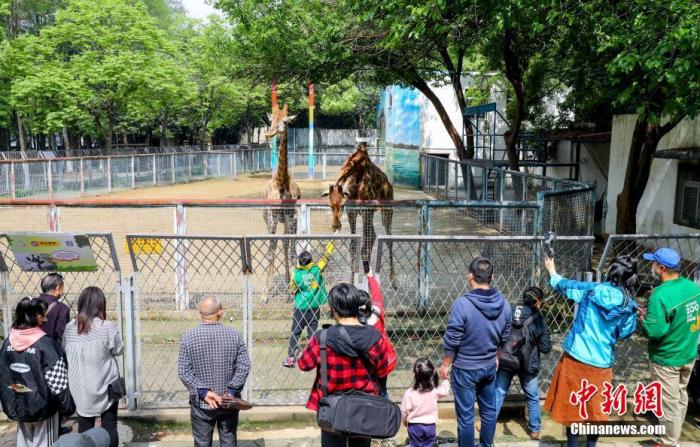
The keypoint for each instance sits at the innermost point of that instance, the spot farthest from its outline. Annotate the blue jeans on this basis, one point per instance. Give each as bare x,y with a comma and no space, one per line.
532,396
469,386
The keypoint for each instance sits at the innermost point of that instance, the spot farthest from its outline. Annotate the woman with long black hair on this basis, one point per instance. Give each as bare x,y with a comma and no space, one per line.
92,344
606,313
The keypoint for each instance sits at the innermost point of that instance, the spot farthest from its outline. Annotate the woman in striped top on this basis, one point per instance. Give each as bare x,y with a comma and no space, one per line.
91,344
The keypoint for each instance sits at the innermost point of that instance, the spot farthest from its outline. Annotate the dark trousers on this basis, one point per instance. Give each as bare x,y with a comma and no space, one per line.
422,435
329,439
203,422
303,319
108,421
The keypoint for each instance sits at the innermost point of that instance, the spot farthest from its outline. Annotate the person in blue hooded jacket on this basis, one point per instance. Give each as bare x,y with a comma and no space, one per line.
606,313
479,325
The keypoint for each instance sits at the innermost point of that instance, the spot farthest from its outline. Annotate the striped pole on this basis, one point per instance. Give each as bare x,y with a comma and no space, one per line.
311,132
273,142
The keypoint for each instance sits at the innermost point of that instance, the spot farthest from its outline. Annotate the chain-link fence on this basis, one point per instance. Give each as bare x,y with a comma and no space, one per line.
431,274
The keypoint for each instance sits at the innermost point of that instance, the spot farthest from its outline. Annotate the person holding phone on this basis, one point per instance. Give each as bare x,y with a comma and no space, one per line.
308,287
373,304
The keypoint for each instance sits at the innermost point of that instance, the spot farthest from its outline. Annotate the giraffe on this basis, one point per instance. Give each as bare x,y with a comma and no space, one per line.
361,179
280,187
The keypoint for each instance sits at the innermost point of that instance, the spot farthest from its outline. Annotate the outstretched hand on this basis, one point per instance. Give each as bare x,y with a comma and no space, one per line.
444,372
549,265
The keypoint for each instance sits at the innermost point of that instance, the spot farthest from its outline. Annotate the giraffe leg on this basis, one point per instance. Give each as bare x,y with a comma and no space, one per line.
369,235
272,248
387,218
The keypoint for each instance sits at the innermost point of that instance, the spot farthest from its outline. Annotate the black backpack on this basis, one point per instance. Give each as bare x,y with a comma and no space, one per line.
354,413
515,355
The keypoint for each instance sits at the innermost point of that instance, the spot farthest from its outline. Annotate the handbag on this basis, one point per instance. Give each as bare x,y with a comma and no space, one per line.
117,389
354,413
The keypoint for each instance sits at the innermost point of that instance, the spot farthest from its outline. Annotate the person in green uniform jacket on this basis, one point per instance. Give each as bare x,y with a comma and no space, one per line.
309,290
672,324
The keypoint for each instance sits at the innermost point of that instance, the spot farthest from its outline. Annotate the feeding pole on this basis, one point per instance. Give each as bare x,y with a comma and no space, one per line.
273,141
311,132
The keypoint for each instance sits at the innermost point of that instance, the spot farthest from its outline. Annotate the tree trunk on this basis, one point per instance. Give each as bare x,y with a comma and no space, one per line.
20,134
514,74
645,140
4,139
125,139
66,141
109,137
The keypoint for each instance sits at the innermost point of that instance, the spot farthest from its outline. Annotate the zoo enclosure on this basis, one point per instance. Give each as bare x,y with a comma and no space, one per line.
80,176
156,303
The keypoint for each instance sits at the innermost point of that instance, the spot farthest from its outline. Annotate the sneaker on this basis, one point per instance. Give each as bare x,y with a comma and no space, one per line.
289,362
535,435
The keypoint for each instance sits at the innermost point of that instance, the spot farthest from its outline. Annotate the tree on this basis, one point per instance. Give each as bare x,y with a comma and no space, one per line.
397,41
350,96
647,53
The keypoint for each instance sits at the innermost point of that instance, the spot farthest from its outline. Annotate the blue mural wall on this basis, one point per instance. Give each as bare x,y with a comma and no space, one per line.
400,108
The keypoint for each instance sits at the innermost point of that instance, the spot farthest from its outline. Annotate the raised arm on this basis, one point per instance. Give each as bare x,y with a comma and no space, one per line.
323,262
573,290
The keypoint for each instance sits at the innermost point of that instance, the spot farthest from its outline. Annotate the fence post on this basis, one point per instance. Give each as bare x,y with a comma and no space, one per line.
13,192
109,174
206,165
172,167
181,293
501,211
6,306
248,327
447,180
131,342
230,166
49,179
133,172
457,182
424,260
155,176
235,168
54,218
189,165
325,161
82,177
484,184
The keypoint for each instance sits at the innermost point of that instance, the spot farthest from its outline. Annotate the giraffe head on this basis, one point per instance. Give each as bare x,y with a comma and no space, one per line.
336,200
278,121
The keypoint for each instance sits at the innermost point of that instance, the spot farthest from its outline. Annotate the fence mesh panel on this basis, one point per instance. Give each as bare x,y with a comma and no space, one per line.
174,274
431,274
272,262
568,213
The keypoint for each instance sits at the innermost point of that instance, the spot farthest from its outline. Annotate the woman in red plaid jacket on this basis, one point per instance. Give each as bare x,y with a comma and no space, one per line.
347,357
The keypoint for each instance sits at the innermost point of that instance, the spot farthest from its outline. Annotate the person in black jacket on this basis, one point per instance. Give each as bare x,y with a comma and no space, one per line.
58,313
528,349
33,378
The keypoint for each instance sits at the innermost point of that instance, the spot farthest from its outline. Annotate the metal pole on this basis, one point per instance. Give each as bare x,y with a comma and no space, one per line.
189,165
457,181
248,329
172,167
54,218
13,192
325,162
155,176
131,343
7,307
181,291
133,172
49,179
230,165
82,177
235,168
109,174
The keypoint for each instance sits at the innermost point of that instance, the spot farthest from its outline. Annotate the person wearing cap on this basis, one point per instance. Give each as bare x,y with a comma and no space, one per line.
308,288
95,437
672,324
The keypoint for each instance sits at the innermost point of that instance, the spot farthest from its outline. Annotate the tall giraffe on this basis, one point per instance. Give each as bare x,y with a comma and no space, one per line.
361,179
280,187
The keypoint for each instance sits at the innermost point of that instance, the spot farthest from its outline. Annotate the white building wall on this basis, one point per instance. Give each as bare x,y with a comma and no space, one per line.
433,136
656,209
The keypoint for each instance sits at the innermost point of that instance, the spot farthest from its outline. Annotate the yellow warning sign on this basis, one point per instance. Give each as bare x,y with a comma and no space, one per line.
146,246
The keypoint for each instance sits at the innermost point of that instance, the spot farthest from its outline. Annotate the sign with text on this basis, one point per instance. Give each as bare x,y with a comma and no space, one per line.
52,252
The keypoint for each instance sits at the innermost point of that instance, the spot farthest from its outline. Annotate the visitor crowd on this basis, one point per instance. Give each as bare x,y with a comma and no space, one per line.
53,367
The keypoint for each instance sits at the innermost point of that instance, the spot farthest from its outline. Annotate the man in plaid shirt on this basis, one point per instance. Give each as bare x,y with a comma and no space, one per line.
346,357
213,362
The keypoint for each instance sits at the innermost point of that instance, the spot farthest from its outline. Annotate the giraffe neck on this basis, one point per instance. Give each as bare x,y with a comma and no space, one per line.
282,177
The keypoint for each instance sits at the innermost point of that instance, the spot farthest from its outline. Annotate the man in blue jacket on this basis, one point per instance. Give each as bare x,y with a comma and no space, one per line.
479,325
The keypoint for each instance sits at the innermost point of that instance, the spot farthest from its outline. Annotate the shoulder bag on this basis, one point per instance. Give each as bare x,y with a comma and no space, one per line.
354,413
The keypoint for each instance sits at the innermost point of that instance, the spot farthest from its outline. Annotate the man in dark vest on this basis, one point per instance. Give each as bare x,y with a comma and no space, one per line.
57,313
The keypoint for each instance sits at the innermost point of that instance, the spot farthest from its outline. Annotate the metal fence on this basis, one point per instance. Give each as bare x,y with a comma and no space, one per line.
567,205
250,274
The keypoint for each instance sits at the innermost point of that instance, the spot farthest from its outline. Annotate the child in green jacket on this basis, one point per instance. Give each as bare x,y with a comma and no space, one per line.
309,290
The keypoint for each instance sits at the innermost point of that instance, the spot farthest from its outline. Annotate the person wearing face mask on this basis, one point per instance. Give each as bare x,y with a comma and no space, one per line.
672,324
529,338
479,325
57,313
